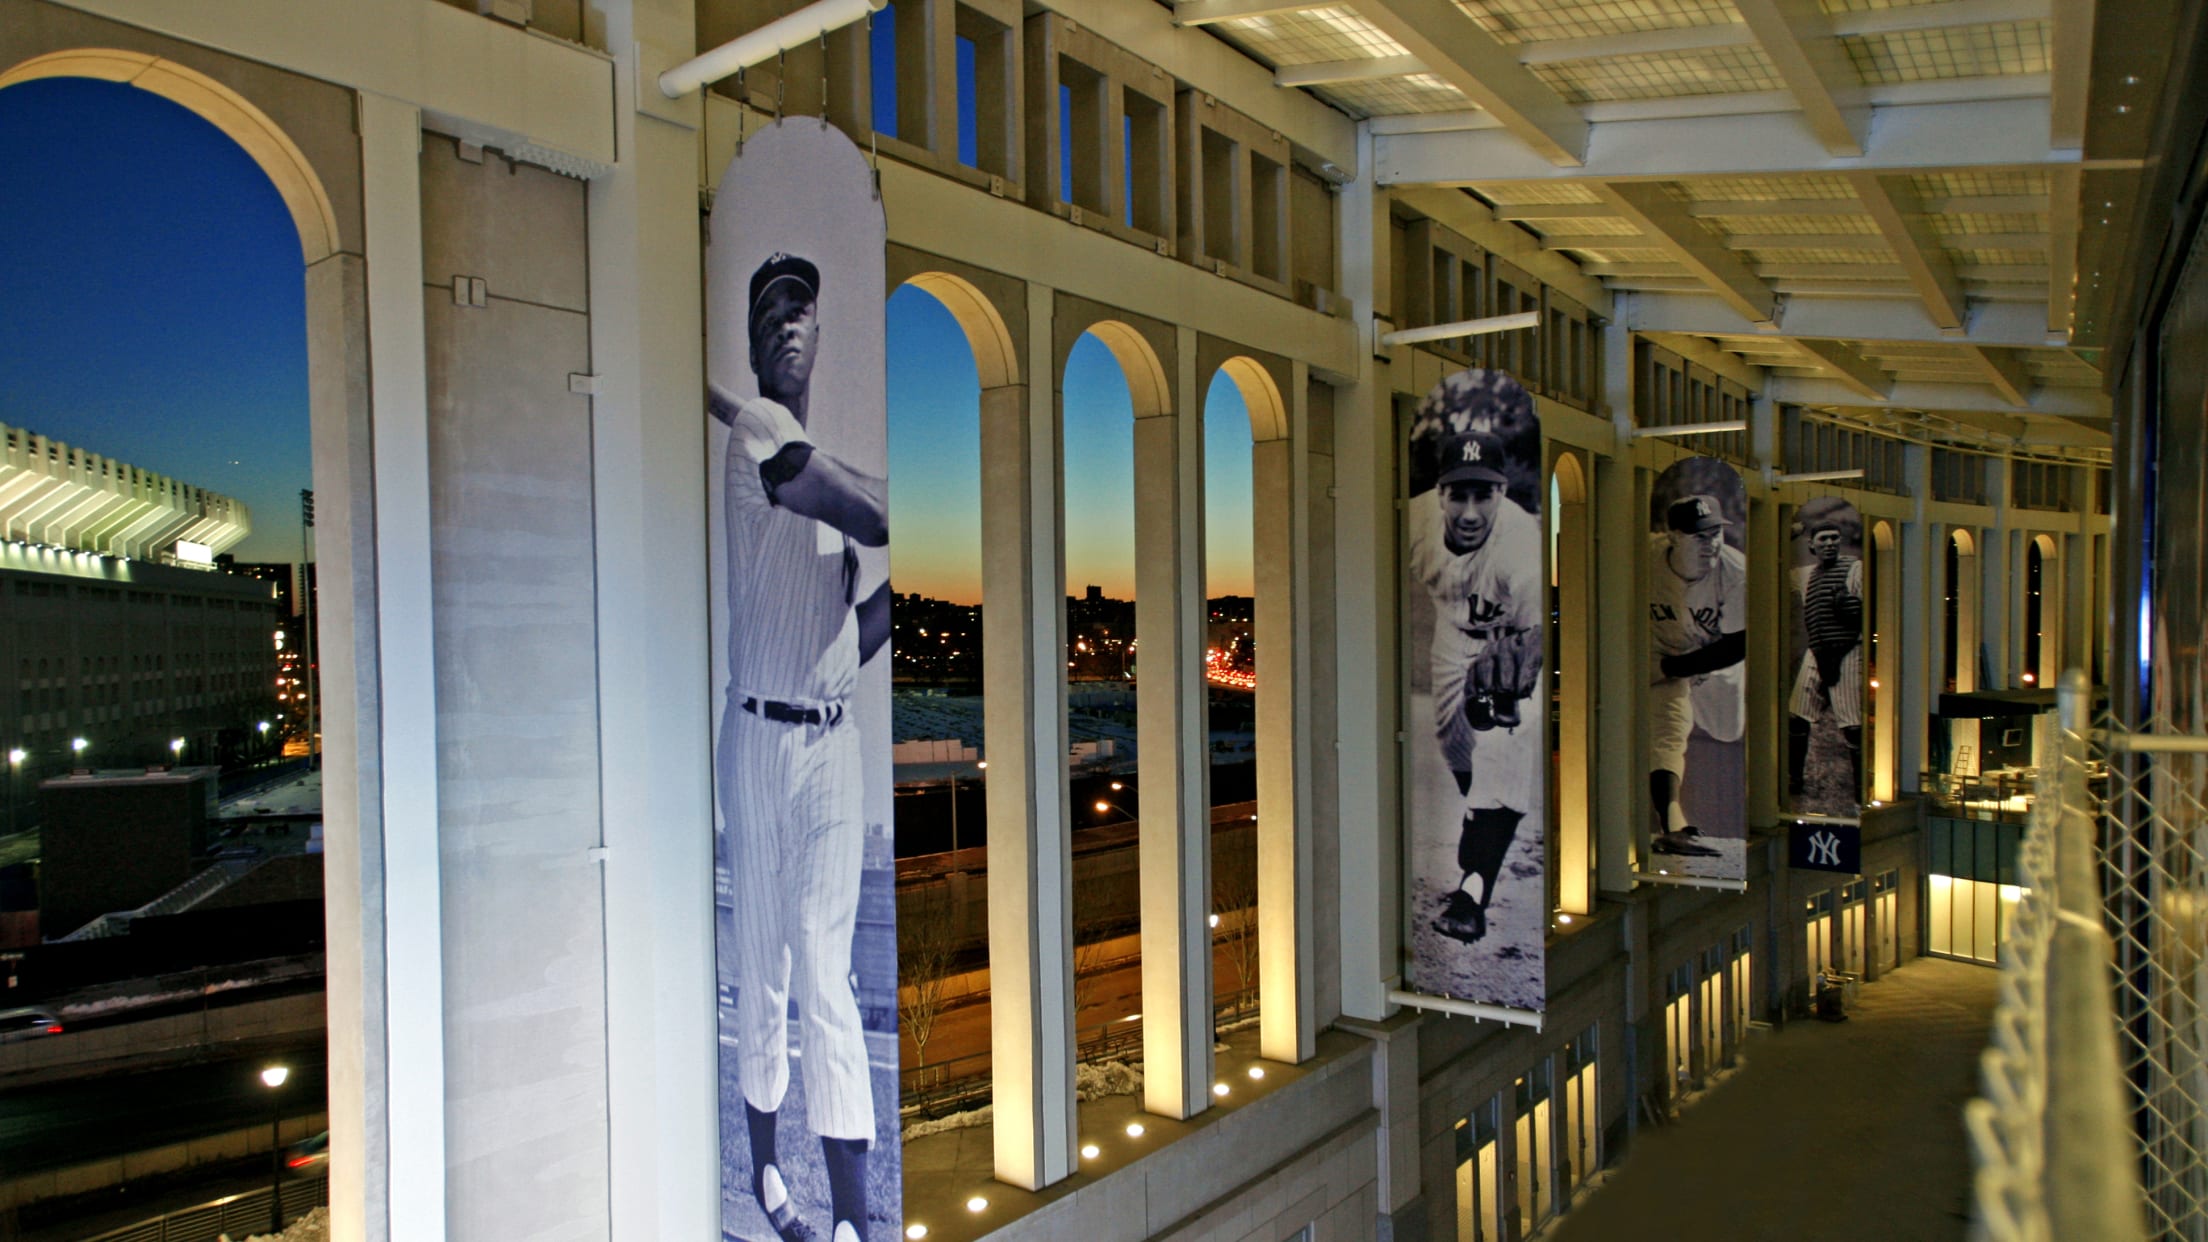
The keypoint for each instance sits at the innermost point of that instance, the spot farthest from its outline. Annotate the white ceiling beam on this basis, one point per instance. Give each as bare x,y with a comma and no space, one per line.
1775,207
1798,38
1735,34
1737,103
2004,133
1634,43
1894,208
1664,221
1934,397
2070,46
2005,370
1939,16
2064,187
1723,361
1843,363
1868,320
1596,241
1364,69
1880,242
1205,12
1456,50
1555,211
1476,222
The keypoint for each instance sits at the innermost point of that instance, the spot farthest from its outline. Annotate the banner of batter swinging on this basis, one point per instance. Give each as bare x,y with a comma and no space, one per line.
794,421
1477,606
1697,693
1824,707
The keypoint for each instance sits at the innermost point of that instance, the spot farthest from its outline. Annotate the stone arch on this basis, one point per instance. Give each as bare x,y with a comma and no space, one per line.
1260,395
1571,478
2043,664
1147,384
996,357
280,158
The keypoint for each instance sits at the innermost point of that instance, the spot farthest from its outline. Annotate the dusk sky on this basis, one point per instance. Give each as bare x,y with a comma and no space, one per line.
156,306
158,317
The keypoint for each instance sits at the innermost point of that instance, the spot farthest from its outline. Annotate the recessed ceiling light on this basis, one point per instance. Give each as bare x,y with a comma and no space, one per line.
1219,1089
1134,1129
916,1232
1256,1072
1090,1151
976,1204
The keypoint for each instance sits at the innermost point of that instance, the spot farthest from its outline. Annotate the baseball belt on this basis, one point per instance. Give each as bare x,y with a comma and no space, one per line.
789,713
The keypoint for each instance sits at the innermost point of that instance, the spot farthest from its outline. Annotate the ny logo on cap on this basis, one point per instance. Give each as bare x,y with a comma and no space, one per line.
1701,506
1471,450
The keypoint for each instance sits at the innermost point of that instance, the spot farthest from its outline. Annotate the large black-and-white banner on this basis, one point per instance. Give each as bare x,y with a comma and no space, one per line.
1824,708
804,874
1697,694
1477,608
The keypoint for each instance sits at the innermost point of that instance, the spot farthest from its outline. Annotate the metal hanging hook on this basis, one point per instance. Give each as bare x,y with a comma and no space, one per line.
824,76
743,110
781,80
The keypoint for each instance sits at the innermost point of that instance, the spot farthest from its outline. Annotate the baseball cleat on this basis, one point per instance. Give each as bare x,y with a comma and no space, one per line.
1684,842
1461,918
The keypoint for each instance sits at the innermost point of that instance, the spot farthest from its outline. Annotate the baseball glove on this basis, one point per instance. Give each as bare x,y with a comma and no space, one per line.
1504,671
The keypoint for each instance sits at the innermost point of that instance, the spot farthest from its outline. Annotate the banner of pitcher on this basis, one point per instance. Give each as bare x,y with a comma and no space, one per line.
1477,607
797,433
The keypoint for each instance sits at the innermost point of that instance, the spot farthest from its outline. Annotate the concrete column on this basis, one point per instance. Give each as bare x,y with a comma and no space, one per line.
1277,484
352,808
1174,849
1916,670
1365,589
413,1093
1996,552
1030,841
1620,548
1577,580
655,714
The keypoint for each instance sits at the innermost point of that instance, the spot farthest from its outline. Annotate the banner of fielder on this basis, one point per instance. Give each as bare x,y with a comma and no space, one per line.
797,436
1477,608
1824,708
1697,697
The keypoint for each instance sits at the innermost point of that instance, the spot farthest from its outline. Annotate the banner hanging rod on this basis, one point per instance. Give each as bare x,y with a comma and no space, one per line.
1689,429
1466,1009
1819,476
780,35
1691,881
1464,327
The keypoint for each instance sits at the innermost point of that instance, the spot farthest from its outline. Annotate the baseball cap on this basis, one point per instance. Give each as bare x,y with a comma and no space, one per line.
1474,456
1695,515
780,266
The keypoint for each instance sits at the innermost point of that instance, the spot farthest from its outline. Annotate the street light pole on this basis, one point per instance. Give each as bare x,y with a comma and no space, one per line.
273,1078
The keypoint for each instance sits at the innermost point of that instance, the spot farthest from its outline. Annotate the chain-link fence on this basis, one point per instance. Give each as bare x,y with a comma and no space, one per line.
2053,1133
2154,854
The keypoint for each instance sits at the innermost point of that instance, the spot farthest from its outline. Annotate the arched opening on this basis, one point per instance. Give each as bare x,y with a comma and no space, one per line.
170,232
1231,689
1884,612
1571,733
1959,649
1109,375
945,347
2041,639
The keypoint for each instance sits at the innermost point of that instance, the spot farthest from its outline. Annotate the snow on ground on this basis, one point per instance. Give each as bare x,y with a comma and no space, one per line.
313,1227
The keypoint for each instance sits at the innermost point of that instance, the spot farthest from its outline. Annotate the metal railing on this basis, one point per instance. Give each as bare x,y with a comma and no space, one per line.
237,1216
2055,1138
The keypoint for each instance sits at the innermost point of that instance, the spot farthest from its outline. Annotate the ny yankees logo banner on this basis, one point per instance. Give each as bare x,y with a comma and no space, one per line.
795,430
1824,709
1697,694
1476,610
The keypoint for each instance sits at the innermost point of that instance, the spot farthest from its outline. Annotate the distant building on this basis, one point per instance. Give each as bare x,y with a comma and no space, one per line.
114,626
117,840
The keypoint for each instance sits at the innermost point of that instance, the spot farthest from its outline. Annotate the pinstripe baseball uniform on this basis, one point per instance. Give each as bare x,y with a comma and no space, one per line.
1477,595
1832,611
1688,615
790,788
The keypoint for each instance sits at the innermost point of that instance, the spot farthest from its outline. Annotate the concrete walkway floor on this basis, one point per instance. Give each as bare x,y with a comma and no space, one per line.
1847,1130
